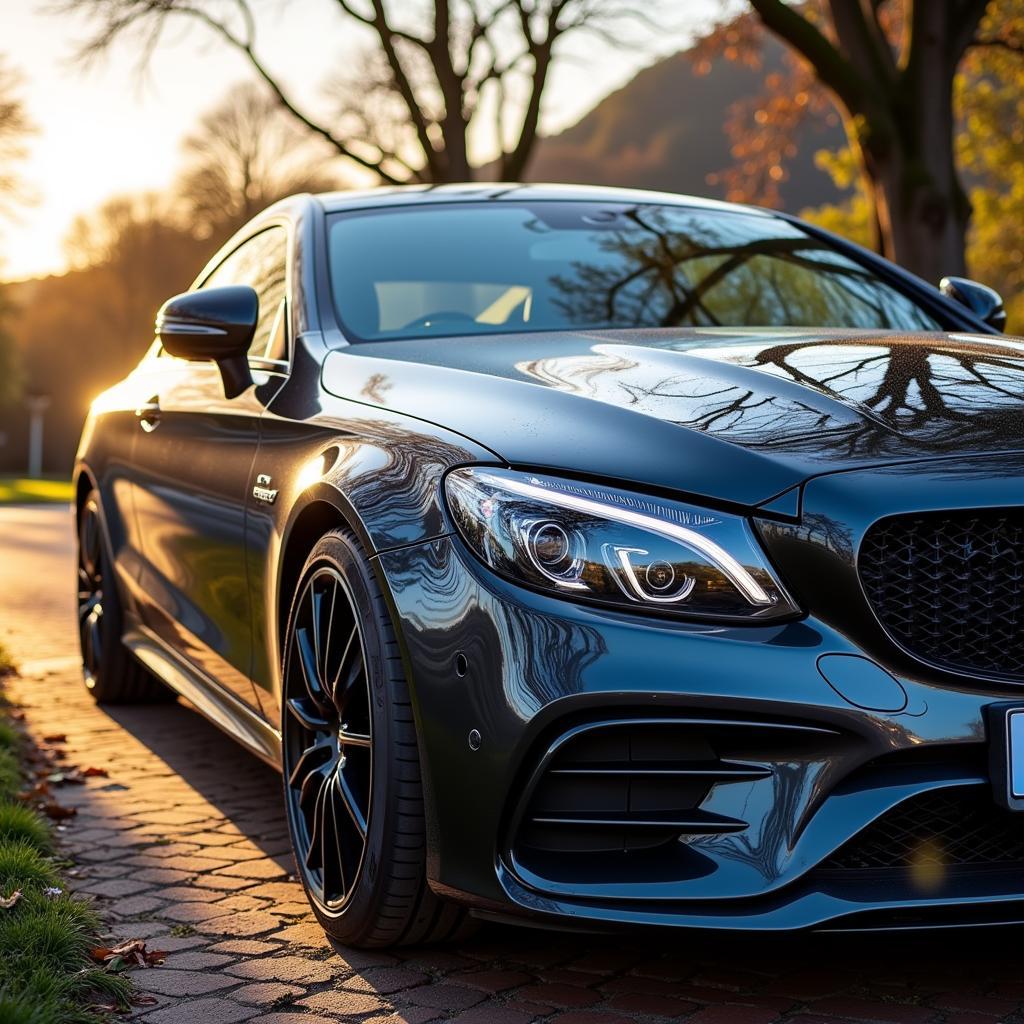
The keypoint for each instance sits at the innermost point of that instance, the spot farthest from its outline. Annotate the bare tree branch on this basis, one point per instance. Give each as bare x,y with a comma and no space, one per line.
245,154
443,62
15,128
807,39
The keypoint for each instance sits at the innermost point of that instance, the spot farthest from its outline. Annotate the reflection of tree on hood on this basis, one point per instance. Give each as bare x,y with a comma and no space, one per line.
902,387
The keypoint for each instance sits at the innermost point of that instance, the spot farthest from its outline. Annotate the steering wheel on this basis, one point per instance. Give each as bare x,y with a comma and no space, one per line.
438,319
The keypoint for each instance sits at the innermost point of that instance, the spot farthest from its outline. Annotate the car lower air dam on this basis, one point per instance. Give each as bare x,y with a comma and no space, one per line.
587,542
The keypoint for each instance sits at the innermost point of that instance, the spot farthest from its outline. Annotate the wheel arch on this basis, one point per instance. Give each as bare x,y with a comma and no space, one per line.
84,483
321,508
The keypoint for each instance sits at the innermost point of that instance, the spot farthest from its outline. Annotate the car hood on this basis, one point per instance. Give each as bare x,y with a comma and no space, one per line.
735,416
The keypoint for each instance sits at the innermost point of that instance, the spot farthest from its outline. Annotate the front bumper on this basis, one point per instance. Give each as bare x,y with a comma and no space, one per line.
501,677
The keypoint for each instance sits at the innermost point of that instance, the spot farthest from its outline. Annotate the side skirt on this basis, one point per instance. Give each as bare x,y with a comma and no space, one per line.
213,702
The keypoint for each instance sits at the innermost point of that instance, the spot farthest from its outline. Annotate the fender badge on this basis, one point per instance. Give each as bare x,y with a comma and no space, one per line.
262,491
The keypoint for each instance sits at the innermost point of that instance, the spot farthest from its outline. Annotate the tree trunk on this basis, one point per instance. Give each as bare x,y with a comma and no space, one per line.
908,153
922,210
899,113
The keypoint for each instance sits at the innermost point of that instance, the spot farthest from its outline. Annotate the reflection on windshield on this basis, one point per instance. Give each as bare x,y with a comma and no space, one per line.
463,269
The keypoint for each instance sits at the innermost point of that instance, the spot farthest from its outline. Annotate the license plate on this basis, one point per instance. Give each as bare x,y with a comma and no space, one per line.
1006,753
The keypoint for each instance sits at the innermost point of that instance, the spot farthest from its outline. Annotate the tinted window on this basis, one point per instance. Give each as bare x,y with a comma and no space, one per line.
484,268
260,262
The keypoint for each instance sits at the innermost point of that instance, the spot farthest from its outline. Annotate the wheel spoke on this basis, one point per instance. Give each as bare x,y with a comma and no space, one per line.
315,757
354,739
333,869
87,609
86,584
303,709
328,766
312,784
326,629
88,657
351,805
315,851
340,683
349,672
306,645
316,599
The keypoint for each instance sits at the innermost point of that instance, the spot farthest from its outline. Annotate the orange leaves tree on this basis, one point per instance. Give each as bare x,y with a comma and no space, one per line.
889,67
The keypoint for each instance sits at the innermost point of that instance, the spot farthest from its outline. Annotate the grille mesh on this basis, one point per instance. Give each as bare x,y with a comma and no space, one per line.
956,826
949,587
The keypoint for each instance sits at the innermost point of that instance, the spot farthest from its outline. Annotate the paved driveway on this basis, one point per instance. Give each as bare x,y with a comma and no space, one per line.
184,844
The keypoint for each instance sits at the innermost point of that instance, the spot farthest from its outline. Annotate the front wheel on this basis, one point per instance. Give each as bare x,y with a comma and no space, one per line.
351,767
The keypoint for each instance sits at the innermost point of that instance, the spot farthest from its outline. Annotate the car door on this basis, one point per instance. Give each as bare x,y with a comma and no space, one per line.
193,460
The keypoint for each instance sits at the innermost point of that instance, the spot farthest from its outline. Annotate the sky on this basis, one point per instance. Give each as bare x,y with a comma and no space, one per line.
113,128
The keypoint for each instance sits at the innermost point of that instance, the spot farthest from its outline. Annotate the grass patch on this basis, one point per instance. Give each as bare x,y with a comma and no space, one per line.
20,489
10,775
9,738
47,975
21,823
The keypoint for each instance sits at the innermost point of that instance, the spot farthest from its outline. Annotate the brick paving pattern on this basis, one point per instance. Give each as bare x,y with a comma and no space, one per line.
184,844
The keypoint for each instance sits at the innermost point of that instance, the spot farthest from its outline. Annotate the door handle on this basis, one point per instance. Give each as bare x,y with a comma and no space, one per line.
148,414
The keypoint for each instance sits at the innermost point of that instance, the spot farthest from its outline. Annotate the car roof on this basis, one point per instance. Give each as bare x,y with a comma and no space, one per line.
406,195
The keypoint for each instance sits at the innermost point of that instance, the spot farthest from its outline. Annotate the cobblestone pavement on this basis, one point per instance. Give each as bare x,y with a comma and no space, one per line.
184,844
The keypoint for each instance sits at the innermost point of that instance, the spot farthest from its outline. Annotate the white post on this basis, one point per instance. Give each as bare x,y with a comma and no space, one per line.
37,406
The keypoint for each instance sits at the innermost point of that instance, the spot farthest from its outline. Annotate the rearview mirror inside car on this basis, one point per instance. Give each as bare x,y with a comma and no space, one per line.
216,324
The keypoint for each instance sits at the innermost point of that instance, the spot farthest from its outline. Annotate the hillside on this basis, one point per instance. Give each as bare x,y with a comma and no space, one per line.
663,130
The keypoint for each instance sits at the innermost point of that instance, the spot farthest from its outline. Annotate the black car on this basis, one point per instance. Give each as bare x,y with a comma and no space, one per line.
583,557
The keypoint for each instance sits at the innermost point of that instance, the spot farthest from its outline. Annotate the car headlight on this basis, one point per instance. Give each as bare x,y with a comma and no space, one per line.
580,540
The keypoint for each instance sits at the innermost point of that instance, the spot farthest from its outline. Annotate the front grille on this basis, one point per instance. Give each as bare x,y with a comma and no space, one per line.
949,587
953,827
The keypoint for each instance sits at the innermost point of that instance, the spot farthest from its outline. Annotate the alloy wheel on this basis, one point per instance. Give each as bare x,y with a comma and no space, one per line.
90,591
327,739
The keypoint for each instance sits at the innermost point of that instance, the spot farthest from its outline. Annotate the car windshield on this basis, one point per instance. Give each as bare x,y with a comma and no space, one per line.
484,268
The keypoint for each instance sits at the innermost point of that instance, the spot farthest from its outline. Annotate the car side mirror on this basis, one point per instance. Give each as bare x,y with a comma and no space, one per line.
984,302
216,324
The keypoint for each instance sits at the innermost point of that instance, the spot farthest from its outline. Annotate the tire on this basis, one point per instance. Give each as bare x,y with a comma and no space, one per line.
111,673
350,755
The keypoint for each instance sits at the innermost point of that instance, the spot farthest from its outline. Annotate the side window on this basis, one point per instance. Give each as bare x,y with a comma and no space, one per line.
260,262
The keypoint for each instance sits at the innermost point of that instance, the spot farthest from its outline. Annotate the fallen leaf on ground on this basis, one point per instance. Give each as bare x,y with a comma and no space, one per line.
133,952
56,737
72,778
40,791
8,902
90,773
58,812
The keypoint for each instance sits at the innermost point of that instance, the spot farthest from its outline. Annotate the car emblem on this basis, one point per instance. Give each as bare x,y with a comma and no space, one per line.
262,491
